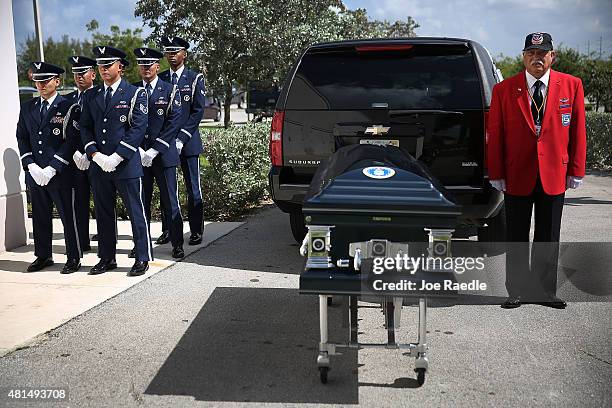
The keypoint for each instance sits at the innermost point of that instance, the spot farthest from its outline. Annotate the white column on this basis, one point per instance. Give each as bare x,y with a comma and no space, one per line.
13,208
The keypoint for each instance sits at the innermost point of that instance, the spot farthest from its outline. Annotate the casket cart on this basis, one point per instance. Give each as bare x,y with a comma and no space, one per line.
366,202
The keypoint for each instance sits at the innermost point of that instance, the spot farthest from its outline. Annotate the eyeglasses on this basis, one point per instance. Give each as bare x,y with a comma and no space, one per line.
537,52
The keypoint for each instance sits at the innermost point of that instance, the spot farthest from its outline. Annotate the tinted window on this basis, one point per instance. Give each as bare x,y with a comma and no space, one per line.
424,77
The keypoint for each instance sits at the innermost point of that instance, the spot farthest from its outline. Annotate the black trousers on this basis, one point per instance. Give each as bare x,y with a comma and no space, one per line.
81,206
190,167
43,199
105,199
166,180
537,281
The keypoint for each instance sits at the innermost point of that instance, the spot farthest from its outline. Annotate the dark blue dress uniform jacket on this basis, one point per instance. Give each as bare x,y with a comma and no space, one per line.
50,143
164,118
114,129
193,95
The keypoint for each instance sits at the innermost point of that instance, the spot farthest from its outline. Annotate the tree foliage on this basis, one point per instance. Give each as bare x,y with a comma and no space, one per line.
236,41
57,52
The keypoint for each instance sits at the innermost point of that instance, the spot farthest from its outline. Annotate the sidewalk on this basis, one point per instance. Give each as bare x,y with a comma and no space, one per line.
31,304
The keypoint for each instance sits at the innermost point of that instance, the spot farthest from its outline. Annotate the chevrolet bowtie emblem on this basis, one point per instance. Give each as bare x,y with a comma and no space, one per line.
377,130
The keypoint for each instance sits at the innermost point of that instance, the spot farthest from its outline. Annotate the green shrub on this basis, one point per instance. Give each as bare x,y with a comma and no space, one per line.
235,179
599,140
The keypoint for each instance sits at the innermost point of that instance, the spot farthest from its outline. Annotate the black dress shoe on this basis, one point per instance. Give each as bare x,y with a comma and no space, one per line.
554,302
40,263
195,239
177,252
71,266
164,238
139,268
132,253
94,237
512,302
103,266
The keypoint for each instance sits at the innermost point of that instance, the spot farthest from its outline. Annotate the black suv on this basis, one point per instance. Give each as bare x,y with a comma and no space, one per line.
428,96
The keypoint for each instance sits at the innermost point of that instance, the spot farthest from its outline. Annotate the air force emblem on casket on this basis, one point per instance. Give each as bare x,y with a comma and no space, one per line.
378,172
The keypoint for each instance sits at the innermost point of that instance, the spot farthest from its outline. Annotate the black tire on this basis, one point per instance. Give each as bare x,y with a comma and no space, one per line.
323,374
298,228
495,231
420,375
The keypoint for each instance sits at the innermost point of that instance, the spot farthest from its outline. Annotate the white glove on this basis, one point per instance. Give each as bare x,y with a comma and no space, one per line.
81,160
499,185
101,160
84,162
143,156
573,182
179,145
36,172
150,154
113,161
48,172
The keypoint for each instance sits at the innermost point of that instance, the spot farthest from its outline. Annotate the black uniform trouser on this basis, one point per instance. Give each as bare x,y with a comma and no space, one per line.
166,180
539,280
43,199
105,198
195,206
81,204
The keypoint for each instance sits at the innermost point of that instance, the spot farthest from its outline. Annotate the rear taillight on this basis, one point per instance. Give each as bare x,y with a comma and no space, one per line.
276,139
486,137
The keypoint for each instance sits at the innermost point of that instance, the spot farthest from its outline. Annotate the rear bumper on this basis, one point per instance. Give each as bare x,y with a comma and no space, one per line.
477,203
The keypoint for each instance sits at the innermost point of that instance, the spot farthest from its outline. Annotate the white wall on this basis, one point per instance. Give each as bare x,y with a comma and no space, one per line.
13,210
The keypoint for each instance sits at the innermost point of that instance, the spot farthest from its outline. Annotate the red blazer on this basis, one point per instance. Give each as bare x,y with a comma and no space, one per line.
516,154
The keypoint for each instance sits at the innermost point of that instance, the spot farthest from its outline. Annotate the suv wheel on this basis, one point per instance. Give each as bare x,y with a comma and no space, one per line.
298,228
495,231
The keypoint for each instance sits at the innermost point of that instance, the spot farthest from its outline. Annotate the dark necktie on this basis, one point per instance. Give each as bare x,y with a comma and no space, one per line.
43,110
79,99
174,79
537,104
148,88
108,96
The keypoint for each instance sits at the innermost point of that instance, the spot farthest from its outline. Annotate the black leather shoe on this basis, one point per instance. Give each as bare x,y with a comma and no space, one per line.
512,302
164,238
71,266
40,263
177,252
195,239
103,266
139,268
94,237
132,253
554,302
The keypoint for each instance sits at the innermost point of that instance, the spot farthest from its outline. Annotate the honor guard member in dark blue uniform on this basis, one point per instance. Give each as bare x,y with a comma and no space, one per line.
47,134
113,125
83,70
188,141
158,152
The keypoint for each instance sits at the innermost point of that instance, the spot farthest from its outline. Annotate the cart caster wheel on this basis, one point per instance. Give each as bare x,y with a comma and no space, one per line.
329,301
323,374
420,375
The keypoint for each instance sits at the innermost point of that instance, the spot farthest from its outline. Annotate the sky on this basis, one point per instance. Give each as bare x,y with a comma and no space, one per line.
499,25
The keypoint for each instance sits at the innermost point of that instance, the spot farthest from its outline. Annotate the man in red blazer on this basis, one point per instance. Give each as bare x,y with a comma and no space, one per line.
536,149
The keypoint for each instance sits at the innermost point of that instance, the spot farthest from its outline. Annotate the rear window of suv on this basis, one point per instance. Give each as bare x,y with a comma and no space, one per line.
424,76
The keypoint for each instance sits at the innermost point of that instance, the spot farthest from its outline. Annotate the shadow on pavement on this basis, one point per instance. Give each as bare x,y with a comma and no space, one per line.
246,345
